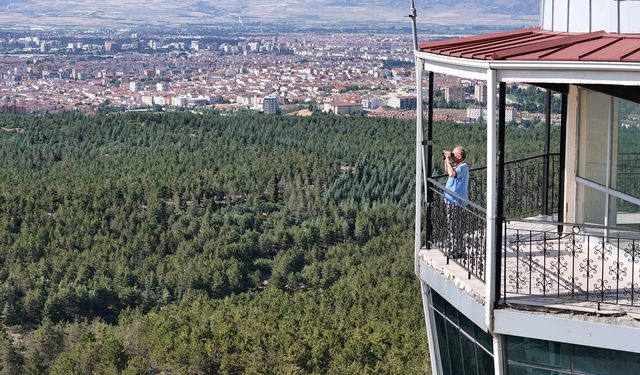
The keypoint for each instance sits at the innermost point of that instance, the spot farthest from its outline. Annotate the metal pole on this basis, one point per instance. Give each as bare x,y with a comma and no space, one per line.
419,163
545,173
429,161
491,239
563,158
500,183
413,15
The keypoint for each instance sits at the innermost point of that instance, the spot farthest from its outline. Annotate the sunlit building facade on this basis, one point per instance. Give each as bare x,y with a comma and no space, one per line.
538,271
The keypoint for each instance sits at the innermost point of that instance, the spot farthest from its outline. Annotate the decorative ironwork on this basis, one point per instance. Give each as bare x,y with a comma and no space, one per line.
458,231
580,262
563,260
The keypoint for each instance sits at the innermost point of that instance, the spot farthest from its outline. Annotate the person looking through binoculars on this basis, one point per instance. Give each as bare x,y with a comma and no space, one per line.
455,198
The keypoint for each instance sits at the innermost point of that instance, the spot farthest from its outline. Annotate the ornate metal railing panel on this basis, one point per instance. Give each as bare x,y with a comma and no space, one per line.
574,261
458,230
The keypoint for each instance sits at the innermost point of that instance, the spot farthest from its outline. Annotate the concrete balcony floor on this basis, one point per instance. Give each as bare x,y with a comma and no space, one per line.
549,273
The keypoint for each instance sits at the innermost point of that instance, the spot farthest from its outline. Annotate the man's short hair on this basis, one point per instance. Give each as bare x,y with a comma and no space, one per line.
463,152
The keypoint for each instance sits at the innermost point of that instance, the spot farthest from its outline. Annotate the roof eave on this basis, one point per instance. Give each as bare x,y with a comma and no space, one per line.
572,72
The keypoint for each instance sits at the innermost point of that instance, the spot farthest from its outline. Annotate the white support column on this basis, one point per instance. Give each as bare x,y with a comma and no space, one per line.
490,265
490,260
429,319
419,138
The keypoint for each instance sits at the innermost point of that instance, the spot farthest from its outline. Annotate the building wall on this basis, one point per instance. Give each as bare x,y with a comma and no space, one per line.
454,94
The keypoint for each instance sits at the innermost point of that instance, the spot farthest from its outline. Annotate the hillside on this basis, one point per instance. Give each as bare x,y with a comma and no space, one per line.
148,243
156,12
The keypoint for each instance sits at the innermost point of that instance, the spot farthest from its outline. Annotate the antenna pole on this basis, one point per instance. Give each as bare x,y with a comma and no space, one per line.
413,15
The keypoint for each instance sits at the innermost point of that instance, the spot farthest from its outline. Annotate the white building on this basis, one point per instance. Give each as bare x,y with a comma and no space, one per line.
475,113
480,92
179,101
147,100
162,87
370,104
536,268
454,94
135,86
402,102
271,104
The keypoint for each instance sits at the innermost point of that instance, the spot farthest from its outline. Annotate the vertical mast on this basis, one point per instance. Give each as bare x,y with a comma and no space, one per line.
413,15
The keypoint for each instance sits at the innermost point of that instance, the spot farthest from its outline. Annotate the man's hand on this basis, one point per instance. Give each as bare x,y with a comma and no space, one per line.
447,155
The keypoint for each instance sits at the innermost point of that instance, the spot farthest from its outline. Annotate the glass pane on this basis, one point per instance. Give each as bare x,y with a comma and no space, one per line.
590,205
438,302
594,134
466,325
485,362
601,361
624,214
626,146
522,370
469,355
484,339
539,352
442,344
455,349
451,312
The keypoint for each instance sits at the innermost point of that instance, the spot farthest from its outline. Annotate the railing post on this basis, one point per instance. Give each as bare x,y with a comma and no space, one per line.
563,158
429,162
490,263
500,187
419,165
547,136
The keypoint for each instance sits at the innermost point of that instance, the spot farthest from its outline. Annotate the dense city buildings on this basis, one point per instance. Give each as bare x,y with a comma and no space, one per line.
364,74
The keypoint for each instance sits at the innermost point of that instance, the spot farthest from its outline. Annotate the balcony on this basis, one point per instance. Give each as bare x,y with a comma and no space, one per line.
541,260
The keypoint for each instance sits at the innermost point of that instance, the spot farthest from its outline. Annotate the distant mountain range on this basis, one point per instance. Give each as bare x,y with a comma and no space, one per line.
163,12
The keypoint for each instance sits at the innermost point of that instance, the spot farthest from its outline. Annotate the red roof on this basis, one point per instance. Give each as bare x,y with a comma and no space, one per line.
541,45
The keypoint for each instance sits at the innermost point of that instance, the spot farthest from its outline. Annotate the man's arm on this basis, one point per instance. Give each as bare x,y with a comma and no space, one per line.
448,166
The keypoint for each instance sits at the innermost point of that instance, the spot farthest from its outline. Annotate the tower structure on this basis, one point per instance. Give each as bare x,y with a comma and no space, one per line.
537,269
271,104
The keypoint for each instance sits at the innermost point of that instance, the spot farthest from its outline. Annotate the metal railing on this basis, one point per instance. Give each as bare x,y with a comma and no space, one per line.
578,262
458,230
524,180
628,176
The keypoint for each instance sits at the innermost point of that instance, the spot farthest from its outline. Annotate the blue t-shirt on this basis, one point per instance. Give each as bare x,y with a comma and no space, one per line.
458,185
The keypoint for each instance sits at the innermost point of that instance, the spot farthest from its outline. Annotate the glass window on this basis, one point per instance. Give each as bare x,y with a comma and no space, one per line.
484,339
523,370
455,349
590,205
442,345
451,312
467,325
485,363
531,356
626,155
469,353
438,301
595,116
464,348
624,214
601,361
539,352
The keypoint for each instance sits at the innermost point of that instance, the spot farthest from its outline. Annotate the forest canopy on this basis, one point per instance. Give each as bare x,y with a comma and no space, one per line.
147,243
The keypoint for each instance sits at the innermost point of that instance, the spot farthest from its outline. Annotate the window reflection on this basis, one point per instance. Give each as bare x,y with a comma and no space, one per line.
626,158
